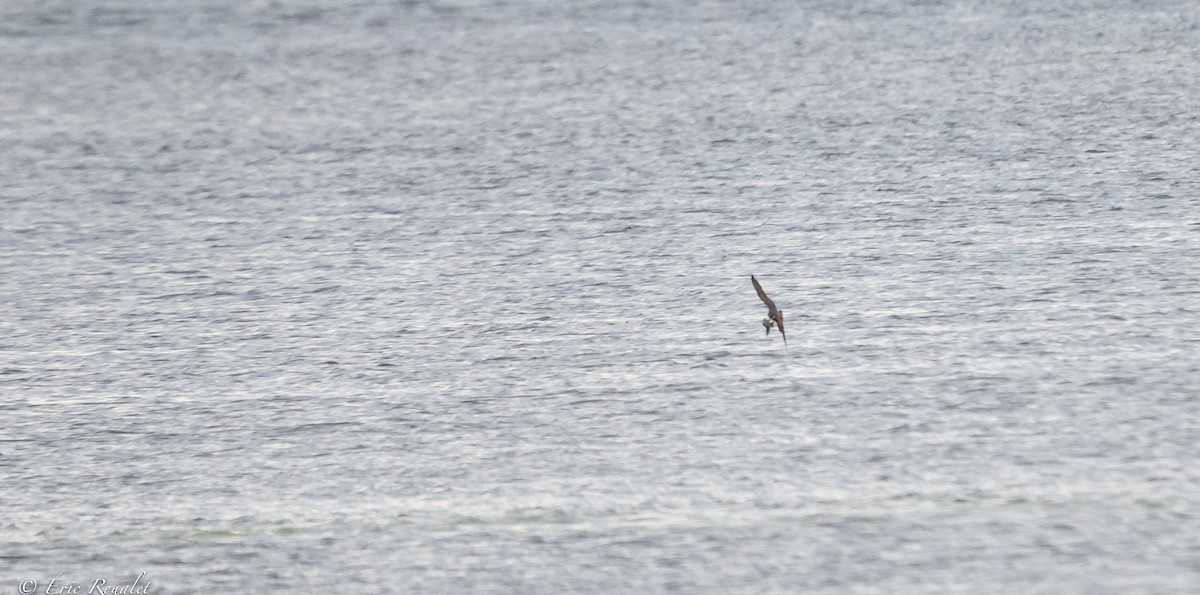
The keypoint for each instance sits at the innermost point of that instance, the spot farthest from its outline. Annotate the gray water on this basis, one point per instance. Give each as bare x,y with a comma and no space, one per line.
454,296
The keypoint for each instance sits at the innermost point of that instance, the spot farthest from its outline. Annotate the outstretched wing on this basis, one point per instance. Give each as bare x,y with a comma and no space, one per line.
779,323
766,300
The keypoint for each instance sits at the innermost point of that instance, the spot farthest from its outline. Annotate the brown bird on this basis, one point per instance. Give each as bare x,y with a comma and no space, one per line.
774,315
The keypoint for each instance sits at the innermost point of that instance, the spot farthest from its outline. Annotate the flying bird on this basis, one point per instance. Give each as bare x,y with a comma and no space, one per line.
774,315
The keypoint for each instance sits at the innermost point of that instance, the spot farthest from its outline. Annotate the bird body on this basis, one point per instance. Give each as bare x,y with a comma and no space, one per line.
774,315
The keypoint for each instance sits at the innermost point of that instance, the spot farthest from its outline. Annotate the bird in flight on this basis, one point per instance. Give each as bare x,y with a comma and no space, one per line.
774,315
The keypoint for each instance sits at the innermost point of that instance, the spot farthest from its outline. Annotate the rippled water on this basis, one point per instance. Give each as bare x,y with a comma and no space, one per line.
454,296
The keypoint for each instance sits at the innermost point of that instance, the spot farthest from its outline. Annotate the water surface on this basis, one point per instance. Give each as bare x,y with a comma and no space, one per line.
454,296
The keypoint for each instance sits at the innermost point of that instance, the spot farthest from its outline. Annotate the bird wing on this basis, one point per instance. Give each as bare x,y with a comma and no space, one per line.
779,323
766,300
